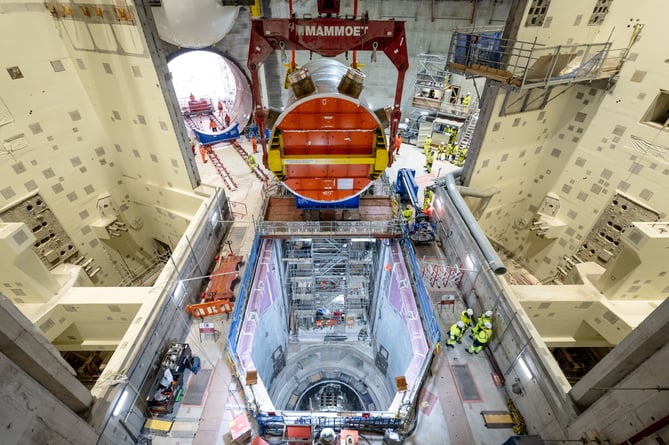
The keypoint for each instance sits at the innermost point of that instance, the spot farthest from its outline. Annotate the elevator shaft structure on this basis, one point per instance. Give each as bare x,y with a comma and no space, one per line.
327,145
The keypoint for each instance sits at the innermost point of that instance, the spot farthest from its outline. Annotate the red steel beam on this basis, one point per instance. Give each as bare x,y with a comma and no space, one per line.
650,429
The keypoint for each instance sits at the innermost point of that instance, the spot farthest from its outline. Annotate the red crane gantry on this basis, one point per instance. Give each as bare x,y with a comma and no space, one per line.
327,36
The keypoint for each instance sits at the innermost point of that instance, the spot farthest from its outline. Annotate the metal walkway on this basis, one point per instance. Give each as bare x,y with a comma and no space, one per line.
530,64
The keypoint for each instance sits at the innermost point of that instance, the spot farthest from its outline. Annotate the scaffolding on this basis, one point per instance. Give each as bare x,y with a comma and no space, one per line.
434,97
431,82
433,74
526,65
330,284
334,229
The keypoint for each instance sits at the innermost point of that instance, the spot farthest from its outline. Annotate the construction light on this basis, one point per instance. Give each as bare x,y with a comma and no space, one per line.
526,373
215,219
120,404
179,293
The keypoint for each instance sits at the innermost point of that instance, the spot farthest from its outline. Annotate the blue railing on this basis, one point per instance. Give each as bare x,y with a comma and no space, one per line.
429,319
360,423
273,424
240,302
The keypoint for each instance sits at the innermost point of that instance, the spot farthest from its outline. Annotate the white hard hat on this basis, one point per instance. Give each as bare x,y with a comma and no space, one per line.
461,324
487,325
328,434
468,93
470,312
488,314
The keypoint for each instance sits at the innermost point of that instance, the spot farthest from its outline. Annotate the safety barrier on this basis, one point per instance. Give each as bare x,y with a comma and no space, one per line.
376,229
439,275
429,319
242,295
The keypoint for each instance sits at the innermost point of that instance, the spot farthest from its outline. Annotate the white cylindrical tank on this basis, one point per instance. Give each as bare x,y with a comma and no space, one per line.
194,23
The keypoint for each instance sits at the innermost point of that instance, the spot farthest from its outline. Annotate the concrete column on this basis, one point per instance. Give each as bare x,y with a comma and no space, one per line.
30,414
637,347
25,346
19,264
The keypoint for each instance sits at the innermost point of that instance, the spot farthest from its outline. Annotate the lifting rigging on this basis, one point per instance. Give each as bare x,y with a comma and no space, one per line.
317,146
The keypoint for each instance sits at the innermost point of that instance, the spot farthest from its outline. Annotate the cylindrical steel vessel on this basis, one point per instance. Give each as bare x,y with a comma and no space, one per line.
327,145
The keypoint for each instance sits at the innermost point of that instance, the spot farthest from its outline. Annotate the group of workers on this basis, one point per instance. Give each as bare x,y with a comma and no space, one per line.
202,148
213,125
481,331
225,116
452,153
409,213
445,152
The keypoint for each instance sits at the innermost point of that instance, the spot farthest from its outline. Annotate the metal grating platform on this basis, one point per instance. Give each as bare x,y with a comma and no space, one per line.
197,387
465,383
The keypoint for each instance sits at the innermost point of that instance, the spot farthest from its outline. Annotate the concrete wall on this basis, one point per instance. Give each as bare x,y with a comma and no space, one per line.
573,316
90,319
22,271
586,148
89,117
623,394
159,322
586,145
31,415
41,395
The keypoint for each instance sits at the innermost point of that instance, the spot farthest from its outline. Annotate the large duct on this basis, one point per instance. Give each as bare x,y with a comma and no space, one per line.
481,240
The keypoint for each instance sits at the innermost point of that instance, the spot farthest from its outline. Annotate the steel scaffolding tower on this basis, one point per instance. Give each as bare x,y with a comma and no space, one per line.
330,283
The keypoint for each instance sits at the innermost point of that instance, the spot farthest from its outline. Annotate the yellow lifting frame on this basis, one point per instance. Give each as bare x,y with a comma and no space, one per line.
276,162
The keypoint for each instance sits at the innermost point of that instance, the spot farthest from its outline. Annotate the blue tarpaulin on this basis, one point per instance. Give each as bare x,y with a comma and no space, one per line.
481,49
230,133
350,203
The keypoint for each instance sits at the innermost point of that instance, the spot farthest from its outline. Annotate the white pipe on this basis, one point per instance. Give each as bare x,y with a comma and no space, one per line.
485,195
481,240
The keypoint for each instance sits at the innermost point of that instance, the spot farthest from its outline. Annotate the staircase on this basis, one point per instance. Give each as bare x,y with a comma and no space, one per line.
190,122
470,125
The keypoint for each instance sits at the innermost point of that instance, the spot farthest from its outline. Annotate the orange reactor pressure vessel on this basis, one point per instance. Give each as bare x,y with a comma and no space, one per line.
327,146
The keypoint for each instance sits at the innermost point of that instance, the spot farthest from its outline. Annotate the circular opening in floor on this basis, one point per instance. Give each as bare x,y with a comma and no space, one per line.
330,395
